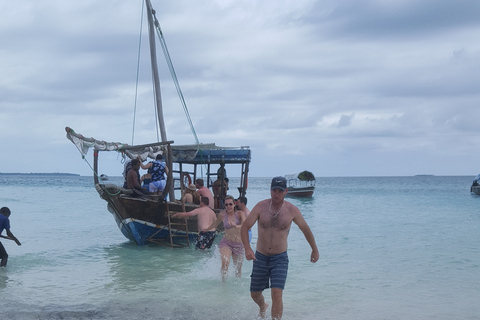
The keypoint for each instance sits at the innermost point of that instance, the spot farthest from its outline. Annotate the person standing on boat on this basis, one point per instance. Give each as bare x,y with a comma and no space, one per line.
205,217
157,169
204,191
5,225
242,205
231,244
270,262
220,187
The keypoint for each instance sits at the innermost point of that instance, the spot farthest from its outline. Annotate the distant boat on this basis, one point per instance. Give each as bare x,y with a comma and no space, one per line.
300,184
475,188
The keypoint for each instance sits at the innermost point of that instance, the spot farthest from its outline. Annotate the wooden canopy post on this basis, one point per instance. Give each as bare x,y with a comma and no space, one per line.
95,167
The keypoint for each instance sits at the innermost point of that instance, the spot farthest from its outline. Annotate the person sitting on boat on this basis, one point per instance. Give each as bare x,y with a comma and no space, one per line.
126,169
133,181
191,195
145,180
205,217
157,169
204,191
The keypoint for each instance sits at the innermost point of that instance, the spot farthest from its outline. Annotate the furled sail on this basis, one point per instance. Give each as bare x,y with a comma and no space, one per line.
195,153
83,144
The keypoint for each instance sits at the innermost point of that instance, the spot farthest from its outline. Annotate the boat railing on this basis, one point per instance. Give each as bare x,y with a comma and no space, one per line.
297,183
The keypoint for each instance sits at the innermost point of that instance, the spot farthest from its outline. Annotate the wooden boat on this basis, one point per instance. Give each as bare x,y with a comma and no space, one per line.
300,184
475,187
148,218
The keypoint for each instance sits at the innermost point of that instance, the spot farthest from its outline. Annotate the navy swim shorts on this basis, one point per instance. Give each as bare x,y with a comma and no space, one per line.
205,239
269,271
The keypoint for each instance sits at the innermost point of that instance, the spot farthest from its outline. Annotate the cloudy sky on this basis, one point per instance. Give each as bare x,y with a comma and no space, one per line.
338,87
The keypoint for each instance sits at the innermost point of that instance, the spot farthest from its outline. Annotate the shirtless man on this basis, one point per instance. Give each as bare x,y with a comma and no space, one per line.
270,265
204,191
242,205
205,218
132,179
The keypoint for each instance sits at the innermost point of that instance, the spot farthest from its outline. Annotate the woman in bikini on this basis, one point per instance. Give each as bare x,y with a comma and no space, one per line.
231,244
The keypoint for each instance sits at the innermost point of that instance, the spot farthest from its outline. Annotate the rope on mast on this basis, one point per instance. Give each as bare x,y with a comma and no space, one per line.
172,72
138,72
174,75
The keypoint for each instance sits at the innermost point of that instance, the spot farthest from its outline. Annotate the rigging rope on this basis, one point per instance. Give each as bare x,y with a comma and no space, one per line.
172,72
138,71
174,75
96,173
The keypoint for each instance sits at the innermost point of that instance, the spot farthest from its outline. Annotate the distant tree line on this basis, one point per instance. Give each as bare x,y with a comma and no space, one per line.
38,174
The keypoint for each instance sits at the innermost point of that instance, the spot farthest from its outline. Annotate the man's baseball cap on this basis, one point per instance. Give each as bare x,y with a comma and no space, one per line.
279,183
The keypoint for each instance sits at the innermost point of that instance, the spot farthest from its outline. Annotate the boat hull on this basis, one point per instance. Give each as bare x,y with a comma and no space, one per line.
145,220
475,190
143,232
306,192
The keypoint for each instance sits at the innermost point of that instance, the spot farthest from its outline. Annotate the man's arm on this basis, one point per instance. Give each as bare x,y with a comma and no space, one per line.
307,232
248,224
179,215
185,214
146,166
11,236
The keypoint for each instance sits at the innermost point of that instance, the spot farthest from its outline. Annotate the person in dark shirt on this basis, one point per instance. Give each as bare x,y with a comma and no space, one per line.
5,225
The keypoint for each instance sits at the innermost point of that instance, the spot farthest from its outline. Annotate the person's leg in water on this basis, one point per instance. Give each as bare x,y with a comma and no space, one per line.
277,303
225,253
257,296
278,278
3,256
238,254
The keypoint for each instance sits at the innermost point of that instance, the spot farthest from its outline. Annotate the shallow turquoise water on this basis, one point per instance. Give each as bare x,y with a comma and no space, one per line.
390,248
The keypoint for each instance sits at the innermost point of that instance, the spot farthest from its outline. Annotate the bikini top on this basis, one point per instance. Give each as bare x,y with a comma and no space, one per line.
227,225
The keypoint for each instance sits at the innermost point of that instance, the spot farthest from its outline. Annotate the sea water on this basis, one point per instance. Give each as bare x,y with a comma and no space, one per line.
390,248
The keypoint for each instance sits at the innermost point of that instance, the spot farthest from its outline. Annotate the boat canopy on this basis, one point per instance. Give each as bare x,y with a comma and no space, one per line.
210,153
191,154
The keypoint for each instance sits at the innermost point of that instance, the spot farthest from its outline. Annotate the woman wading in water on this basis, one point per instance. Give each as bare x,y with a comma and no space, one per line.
231,244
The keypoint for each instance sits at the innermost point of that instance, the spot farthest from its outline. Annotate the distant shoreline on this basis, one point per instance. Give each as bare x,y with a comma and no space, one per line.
38,174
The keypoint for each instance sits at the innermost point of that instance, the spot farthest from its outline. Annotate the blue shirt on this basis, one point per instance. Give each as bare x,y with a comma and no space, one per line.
157,170
4,223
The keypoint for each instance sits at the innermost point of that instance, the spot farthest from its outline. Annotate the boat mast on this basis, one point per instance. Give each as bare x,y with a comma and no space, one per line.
156,80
